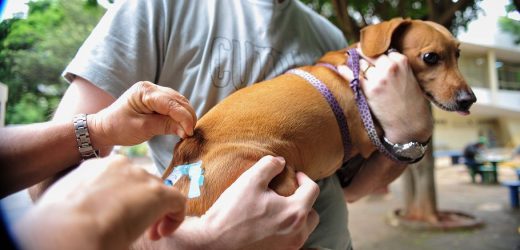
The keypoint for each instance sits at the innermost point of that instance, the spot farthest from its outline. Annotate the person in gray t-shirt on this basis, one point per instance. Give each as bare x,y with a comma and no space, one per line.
206,50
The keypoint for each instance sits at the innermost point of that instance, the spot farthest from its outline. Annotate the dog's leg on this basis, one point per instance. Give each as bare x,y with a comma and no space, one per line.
219,173
285,183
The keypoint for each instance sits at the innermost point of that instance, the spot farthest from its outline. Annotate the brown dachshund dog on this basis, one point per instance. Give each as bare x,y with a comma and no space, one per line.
288,117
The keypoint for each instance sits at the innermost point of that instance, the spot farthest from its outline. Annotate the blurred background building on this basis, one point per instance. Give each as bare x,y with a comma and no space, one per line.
490,62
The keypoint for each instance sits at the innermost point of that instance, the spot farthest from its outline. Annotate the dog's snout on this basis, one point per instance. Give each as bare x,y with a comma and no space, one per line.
465,99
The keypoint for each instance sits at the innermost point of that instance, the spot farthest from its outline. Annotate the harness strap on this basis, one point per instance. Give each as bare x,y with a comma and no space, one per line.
334,105
364,110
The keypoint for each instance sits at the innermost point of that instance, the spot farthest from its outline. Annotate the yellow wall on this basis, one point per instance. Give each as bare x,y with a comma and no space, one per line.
453,131
512,126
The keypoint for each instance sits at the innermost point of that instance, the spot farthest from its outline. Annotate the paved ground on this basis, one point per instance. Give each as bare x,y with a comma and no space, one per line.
489,203
370,231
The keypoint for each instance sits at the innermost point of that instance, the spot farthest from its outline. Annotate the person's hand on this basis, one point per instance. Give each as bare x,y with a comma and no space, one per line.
249,215
143,111
105,204
395,97
259,216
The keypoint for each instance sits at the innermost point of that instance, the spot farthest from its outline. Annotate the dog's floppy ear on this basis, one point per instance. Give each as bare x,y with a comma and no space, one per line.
376,39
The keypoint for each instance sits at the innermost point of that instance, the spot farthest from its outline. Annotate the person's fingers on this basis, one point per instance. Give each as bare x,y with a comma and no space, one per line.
313,219
371,60
372,68
182,100
166,105
147,98
117,160
169,224
96,167
265,170
163,227
383,61
398,58
185,103
153,231
302,228
307,191
383,68
175,203
390,61
345,72
173,208
384,57
365,66
161,124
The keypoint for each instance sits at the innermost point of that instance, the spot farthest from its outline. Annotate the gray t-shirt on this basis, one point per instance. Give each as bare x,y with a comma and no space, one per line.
206,50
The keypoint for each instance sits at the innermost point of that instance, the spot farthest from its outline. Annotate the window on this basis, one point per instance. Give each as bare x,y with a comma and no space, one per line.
474,70
508,75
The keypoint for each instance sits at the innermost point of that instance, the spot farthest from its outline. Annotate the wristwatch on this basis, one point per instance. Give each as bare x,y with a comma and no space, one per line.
410,152
83,138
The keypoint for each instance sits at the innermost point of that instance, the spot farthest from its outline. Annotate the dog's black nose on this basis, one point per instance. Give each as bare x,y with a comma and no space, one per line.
465,99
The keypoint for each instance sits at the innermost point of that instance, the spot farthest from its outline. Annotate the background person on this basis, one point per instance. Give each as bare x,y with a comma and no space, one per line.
473,158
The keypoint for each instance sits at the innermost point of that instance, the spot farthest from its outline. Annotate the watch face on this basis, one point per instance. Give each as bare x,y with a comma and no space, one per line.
412,150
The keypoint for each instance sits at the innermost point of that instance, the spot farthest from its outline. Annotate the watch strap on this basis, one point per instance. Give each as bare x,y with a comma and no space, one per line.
85,147
410,152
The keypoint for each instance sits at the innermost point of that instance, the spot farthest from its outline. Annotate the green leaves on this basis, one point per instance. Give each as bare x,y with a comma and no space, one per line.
35,51
351,16
509,24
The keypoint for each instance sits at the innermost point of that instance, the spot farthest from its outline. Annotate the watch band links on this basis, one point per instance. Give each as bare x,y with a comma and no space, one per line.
85,147
409,153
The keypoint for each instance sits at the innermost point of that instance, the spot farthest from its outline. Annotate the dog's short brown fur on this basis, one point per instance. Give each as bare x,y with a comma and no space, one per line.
288,117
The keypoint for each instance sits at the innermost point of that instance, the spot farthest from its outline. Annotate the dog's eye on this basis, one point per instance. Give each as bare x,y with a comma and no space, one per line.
431,58
457,53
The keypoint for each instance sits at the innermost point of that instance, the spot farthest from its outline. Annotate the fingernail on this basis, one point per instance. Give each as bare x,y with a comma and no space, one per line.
180,133
281,159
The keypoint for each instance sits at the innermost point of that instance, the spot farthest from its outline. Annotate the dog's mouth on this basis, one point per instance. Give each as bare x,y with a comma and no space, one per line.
450,108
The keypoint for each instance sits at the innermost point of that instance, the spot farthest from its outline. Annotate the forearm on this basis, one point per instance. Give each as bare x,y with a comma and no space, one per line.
80,97
378,171
190,235
31,153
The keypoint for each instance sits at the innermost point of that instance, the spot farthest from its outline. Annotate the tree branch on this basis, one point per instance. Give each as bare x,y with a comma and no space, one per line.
432,13
446,17
347,25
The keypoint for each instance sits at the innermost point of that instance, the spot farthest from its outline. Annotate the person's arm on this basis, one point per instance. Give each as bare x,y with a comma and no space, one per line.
104,204
31,153
395,98
143,111
376,172
249,215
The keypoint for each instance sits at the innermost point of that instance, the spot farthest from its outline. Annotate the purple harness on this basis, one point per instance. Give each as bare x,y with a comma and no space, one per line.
334,105
363,108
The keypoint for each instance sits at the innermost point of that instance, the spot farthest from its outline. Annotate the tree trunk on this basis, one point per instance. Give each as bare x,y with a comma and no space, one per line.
419,190
345,22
